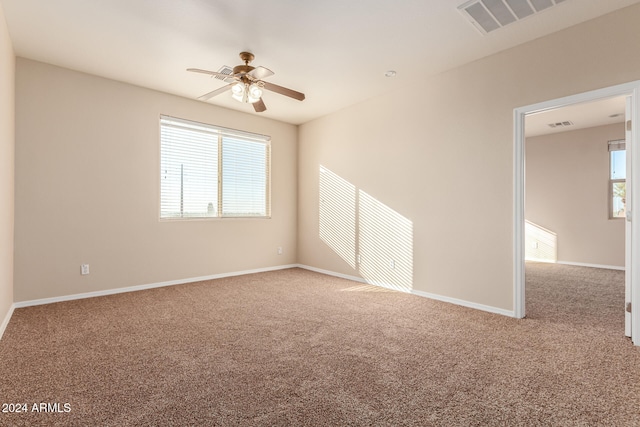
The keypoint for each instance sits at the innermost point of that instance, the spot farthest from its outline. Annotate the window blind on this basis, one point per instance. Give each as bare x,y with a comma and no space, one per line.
210,171
617,145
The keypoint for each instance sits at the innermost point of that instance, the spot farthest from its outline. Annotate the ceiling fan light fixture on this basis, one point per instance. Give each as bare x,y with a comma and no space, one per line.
246,93
246,83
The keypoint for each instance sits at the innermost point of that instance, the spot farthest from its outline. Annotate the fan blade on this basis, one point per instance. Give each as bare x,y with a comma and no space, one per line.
260,73
215,92
211,73
259,106
284,91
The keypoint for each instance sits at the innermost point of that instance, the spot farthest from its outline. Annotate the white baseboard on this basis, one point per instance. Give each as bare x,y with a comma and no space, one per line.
464,303
143,287
6,320
333,273
543,260
63,298
456,301
582,264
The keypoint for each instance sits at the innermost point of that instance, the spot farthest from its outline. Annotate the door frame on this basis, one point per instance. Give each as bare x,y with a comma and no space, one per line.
631,90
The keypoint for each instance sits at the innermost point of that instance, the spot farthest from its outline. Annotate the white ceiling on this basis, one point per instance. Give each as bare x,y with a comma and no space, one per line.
335,51
585,115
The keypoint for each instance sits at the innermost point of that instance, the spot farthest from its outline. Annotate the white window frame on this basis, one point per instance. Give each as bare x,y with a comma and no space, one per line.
228,137
614,145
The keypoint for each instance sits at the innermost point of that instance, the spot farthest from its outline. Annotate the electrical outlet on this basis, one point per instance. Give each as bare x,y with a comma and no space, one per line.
84,269
392,264
279,250
535,245
358,259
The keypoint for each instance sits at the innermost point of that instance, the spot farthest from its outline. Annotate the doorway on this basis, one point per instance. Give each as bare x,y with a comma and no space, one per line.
630,91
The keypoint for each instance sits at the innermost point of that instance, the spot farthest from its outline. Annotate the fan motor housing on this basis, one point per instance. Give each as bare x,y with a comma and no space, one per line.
242,69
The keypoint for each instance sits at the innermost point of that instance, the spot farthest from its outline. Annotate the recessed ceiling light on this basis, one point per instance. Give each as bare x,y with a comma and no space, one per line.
390,73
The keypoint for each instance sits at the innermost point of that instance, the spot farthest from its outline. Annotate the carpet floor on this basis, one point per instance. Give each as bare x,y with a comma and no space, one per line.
297,348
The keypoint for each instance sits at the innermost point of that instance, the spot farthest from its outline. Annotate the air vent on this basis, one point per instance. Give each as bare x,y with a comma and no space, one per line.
490,15
225,69
560,124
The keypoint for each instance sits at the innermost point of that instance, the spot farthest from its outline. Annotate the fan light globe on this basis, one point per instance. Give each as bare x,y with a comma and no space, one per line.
255,93
237,92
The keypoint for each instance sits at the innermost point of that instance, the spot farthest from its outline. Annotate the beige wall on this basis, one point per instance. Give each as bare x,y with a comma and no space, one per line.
567,193
7,140
426,181
87,189
443,157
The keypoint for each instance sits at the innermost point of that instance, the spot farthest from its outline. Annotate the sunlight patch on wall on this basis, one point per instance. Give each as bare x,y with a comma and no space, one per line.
540,244
372,238
338,215
385,245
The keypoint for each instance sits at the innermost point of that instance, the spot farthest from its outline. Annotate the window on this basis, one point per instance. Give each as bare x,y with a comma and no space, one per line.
212,172
617,179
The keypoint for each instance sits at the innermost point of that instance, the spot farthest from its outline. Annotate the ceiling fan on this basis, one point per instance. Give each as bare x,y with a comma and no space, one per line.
247,83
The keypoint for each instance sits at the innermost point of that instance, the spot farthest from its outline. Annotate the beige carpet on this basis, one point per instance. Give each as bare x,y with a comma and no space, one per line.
296,348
